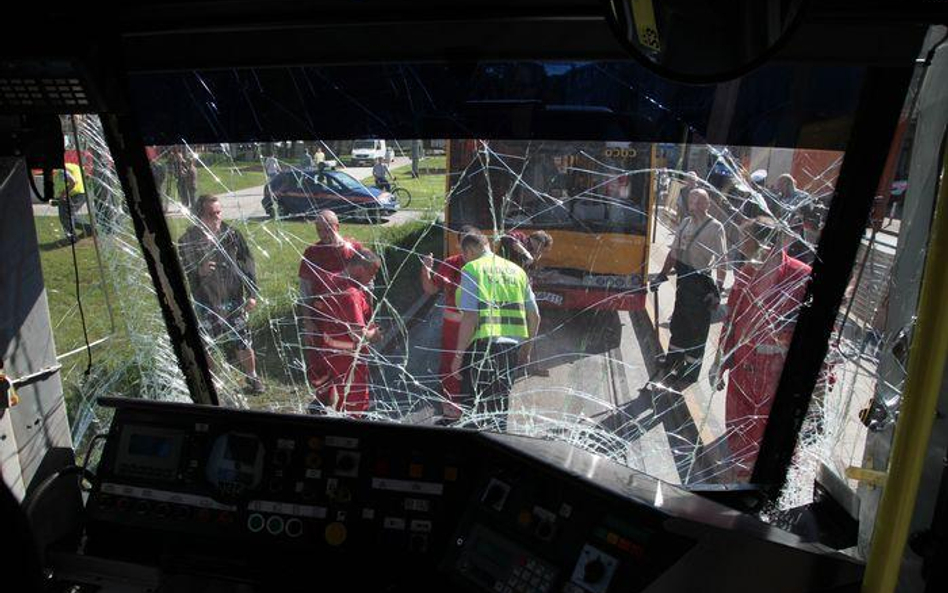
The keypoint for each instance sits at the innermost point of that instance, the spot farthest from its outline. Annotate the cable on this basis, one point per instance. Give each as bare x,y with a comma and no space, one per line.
36,192
75,265
33,498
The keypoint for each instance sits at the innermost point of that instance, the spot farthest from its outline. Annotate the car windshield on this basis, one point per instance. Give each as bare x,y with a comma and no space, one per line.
633,253
364,145
346,181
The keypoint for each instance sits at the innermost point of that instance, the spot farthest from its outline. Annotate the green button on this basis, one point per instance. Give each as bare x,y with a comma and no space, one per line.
255,522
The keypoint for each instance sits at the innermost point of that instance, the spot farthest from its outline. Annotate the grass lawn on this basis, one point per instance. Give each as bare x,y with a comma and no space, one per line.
277,248
230,177
427,191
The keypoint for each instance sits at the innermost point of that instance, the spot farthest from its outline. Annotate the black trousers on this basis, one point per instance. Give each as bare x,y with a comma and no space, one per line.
695,299
68,213
487,376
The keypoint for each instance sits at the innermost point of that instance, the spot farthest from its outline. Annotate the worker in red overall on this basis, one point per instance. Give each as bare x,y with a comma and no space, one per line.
343,317
768,291
447,278
320,261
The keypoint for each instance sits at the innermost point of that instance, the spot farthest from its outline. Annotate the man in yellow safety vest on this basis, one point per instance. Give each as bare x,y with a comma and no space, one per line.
72,198
499,316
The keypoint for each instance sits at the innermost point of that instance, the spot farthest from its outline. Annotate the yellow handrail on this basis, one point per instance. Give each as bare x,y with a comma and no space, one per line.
919,399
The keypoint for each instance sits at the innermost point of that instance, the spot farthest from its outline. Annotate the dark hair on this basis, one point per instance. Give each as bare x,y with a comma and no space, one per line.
543,238
764,229
202,202
473,241
365,258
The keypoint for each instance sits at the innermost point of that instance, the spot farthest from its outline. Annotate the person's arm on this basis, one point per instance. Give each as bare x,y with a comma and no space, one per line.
306,310
533,325
467,303
70,183
670,262
249,268
516,248
721,256
671,259
428,284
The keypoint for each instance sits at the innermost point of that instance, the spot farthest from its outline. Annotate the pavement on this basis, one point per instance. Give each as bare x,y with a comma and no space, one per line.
589,391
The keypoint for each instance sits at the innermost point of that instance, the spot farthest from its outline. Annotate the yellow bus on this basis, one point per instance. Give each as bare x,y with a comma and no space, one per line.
592,197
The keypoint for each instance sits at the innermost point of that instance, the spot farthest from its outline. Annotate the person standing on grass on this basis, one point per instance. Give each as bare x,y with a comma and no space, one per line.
320,261
447,279
71,200
415,157
222,275
342,315
186,174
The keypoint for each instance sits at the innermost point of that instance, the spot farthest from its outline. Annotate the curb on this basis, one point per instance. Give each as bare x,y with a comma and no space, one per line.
414,314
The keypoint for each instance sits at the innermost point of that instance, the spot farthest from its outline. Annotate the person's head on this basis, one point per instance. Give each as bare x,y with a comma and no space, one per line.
378,160
759,237
539,244
561,162
690,180
786,185
209,210
473,246
327,226
363,266
466,230
698,202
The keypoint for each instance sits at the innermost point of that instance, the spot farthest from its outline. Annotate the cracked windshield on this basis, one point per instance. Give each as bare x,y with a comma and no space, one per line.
633,298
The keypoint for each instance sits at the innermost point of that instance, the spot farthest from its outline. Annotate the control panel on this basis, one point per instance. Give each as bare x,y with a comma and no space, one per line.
269,502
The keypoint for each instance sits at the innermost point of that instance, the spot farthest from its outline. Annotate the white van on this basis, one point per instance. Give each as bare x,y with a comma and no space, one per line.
364,152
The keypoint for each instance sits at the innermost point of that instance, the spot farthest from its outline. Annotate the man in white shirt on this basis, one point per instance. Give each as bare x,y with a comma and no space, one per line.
697,255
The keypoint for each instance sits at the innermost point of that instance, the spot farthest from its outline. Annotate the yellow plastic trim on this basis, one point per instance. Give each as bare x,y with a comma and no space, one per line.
919,399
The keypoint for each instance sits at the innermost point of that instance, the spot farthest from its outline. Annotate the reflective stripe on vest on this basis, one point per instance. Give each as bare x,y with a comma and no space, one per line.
501,288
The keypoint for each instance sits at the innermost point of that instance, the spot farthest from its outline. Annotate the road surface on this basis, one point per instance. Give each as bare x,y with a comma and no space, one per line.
593,368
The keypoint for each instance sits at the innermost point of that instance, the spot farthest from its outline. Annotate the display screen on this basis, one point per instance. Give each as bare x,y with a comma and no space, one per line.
149,452
150,445
235,462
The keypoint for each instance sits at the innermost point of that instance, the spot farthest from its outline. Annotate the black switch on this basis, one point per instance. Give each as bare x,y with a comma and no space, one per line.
496,494
594,571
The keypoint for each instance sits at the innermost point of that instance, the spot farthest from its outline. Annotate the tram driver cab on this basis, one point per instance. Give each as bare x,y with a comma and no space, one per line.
163,419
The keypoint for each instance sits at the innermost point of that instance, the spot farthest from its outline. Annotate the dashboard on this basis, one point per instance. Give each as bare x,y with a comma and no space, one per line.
209,499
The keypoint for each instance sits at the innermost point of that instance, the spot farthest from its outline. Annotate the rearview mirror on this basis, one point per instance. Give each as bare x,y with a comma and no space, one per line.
709,41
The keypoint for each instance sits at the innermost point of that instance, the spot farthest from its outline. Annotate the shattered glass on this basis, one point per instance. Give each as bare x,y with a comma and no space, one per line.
129,350
600,376
621,364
